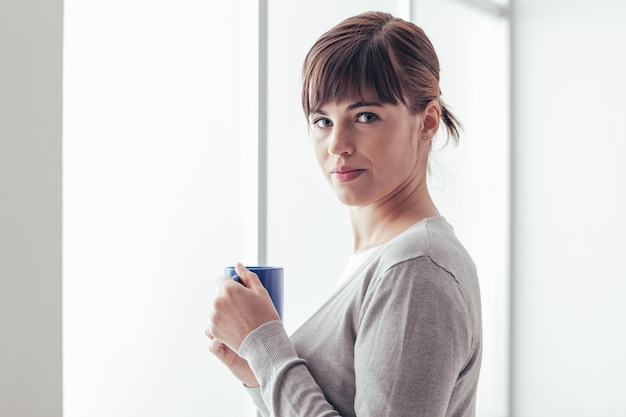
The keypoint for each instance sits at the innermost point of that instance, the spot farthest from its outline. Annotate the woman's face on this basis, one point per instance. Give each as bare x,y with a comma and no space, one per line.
370,152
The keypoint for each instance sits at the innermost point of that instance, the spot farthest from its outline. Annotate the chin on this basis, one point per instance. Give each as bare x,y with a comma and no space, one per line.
353,196
349,201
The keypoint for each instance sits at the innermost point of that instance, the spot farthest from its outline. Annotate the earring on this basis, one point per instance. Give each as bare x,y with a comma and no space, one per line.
425,139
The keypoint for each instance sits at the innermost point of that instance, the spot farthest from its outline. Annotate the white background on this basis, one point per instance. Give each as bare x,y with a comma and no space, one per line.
569,205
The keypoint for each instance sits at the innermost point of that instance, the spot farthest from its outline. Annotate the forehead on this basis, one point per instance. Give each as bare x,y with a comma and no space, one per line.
350,83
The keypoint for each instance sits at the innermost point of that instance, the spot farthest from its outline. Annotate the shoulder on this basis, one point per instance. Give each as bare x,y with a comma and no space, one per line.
431,238
426,261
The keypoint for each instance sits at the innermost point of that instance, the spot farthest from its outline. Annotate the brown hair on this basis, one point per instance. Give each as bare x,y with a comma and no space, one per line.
377,52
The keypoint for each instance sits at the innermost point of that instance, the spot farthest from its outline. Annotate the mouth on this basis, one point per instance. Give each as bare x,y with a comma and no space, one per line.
346,174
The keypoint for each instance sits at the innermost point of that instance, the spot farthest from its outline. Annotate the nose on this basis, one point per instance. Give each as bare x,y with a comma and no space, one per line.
341,142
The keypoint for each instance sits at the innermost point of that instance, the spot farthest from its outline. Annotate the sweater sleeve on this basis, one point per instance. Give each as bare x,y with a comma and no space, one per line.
413,342
287,386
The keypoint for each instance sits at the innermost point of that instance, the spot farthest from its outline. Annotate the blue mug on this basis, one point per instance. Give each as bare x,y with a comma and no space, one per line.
272,279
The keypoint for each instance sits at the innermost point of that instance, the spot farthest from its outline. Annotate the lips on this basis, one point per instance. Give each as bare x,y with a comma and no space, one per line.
346,173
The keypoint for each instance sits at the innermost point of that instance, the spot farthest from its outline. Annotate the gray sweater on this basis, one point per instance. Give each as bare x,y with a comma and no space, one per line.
400,337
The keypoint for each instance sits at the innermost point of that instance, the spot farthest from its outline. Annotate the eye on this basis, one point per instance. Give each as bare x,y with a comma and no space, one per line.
367,117
322,122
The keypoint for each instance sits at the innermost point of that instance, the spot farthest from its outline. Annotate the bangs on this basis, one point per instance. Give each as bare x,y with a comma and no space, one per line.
340,70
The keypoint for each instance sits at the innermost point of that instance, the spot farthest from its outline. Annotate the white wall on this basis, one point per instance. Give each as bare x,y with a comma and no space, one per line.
30,207
569,148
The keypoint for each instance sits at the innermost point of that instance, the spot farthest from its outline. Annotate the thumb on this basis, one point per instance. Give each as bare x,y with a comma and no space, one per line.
248,278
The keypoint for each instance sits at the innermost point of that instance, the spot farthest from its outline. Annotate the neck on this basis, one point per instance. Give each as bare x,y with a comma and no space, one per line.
378,223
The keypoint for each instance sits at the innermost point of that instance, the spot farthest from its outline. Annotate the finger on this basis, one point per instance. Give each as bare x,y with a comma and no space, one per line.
223,281
215,346
247,277
207,332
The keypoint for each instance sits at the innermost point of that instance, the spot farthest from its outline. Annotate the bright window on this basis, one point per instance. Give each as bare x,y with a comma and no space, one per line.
159,142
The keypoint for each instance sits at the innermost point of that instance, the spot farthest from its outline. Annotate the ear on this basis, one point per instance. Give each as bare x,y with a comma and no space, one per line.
430,119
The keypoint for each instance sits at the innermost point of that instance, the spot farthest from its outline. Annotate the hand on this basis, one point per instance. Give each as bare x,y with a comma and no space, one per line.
239,309
237,365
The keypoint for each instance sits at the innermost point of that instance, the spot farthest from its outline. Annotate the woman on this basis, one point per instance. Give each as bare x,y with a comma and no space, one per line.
402,334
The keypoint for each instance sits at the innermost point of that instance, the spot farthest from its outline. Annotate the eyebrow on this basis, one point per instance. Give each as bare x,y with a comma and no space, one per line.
362,104
351,106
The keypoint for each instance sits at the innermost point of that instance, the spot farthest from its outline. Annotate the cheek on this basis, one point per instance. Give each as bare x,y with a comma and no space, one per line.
401,151
321,155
